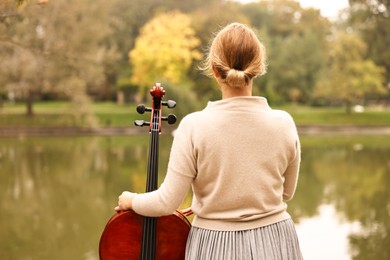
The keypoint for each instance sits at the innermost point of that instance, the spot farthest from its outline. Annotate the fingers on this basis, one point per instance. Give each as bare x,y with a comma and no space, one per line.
119,208
125,201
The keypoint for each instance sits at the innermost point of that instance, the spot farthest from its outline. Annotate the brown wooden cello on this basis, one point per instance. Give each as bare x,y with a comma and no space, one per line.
128,235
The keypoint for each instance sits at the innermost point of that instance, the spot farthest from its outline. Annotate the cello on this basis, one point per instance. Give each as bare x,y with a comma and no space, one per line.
128,235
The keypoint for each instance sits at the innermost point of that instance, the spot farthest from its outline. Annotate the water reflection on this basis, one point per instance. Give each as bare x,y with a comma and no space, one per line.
58,193
351,175
325,236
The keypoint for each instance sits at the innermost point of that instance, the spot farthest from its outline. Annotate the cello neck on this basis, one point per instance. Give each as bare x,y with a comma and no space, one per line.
152,173
148,247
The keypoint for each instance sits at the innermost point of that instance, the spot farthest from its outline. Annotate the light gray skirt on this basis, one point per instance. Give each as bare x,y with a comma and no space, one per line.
274,242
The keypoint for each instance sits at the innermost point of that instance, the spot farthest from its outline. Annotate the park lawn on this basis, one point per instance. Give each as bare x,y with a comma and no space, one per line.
353,141
57,114
305,115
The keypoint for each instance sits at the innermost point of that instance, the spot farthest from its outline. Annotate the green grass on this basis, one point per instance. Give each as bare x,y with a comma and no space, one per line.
304,115
49,114
342,141
64,114
111,114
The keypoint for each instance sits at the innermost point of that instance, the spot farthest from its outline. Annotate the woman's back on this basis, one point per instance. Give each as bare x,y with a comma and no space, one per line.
242,150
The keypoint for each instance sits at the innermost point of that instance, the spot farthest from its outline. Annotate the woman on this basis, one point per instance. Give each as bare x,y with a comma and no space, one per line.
241,159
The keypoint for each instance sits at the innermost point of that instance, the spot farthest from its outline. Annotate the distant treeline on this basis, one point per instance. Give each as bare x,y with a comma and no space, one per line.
115,50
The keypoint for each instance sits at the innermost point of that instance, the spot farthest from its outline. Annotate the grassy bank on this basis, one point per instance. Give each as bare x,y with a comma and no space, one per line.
304,115
64,114
110,114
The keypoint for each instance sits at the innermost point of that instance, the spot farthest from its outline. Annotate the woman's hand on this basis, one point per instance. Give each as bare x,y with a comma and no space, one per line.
125,201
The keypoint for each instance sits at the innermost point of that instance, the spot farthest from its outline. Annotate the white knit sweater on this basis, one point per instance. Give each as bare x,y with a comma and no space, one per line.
241,158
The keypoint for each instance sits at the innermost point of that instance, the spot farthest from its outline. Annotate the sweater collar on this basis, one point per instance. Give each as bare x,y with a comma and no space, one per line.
239,103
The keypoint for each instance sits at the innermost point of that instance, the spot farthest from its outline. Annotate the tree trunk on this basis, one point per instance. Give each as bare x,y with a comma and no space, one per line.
29,104
120,97
348,107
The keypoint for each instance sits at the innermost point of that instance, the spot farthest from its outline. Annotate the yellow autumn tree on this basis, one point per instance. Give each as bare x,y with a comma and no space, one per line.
164,50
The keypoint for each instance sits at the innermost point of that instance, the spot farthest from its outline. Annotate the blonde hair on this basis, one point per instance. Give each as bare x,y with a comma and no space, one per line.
237,55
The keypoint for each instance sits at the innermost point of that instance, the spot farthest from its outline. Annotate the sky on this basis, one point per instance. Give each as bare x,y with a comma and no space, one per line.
328,8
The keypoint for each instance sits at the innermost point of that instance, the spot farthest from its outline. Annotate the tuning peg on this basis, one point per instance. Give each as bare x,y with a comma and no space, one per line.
141,123
171,119
169,103
141,109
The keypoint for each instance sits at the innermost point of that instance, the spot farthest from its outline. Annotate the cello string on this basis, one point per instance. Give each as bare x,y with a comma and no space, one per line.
153,172
149,232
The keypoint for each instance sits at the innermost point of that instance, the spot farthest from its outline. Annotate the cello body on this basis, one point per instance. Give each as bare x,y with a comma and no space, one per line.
128,235
122,237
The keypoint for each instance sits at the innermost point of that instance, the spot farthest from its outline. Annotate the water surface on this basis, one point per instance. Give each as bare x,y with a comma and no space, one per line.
57,194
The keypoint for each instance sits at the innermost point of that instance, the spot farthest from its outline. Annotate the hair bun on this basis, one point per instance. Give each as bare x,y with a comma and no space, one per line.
236,78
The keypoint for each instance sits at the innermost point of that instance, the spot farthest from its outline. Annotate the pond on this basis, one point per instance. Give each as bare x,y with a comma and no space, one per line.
57,194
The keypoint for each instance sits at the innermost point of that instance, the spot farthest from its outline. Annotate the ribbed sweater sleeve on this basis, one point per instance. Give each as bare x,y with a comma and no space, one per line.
180,174
291,174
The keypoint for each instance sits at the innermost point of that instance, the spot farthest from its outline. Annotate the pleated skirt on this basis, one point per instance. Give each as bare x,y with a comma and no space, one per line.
278,241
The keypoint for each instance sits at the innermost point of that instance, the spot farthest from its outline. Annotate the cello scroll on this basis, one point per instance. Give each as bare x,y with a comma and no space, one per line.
157,93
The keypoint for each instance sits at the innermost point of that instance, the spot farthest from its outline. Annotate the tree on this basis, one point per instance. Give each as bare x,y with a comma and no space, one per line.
284,18
294,66
350,77
164,50
295,43
209,19
58,47
372,18
21,47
